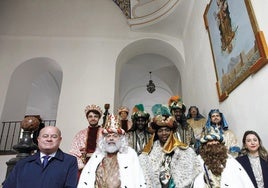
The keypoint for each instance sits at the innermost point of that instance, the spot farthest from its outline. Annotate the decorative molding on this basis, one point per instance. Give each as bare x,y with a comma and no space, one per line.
150,12
124,5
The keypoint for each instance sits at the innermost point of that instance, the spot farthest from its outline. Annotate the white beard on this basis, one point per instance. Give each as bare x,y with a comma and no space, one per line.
112,147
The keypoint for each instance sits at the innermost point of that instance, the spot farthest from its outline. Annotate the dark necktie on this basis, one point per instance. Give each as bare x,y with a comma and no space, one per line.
45,160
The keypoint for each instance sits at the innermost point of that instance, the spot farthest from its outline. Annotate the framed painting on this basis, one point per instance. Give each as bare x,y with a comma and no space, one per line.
238,46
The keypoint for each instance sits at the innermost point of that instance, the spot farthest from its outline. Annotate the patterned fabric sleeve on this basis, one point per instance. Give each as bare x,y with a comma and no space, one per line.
231,143
79,145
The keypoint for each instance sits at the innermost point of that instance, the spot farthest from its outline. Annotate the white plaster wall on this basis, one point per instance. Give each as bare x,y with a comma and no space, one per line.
88,67
88,75
88,64
4,159
87,59
245,108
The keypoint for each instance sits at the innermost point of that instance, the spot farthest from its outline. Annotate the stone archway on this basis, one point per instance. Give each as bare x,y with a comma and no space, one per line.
34,88
132,73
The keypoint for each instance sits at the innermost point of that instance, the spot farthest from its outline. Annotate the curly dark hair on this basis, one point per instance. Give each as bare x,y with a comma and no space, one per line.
215,157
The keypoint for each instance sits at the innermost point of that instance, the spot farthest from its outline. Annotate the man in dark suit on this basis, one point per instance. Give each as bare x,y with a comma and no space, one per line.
50,167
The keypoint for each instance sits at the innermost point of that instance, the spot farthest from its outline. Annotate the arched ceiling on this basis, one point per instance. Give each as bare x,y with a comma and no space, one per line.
132,73
135,76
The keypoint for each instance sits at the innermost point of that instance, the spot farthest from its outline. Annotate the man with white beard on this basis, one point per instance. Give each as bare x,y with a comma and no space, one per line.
114,164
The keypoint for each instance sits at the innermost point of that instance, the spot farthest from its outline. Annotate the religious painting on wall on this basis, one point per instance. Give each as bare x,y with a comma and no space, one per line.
238,46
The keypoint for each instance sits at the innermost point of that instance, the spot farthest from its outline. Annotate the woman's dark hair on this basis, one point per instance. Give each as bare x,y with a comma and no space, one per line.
262,151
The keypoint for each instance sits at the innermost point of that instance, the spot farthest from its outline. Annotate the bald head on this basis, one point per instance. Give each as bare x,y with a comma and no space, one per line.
49,139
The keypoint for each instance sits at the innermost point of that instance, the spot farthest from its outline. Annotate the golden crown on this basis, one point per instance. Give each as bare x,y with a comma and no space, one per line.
93,107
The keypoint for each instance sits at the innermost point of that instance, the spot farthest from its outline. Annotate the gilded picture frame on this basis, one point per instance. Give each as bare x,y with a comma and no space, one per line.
238,46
